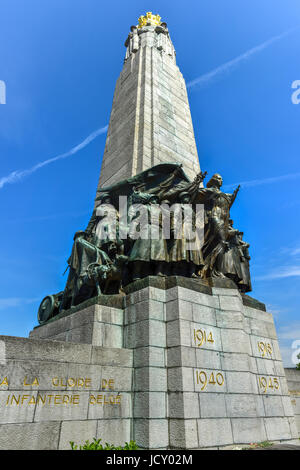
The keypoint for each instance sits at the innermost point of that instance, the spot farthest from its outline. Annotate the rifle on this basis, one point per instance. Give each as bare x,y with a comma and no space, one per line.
234,195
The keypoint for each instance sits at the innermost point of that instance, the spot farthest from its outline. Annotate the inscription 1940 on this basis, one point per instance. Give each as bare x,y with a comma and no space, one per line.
205,378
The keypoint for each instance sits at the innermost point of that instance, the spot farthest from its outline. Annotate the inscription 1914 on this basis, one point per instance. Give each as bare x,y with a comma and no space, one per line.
202,337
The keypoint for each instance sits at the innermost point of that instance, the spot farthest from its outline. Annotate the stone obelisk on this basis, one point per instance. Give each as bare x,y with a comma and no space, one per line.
172,362
150,120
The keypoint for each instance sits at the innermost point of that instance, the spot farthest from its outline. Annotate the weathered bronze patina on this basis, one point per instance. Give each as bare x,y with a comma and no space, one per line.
104,262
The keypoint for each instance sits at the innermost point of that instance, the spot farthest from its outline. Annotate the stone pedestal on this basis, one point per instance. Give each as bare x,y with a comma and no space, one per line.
98,321
196,367
293,382
207,365
54,392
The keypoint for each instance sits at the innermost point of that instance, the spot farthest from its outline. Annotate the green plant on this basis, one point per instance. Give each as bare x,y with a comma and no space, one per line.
262,444
96,445
298,365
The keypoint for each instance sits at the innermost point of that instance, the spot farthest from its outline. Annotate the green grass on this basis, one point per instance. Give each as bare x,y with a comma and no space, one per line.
262,444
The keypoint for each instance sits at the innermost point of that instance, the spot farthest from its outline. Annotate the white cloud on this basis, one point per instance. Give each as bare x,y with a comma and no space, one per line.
15,302
18,175
276,310
48,217
286,355
289,343
291,331
228,66
280,273
2,92
258,182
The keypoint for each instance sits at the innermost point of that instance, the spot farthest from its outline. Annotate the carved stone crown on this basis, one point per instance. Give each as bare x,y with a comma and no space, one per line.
149,19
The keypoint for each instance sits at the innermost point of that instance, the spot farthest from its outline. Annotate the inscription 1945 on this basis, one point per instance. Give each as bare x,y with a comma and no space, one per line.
268,383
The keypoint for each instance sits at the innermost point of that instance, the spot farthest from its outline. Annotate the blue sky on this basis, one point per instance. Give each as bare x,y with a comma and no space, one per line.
60,61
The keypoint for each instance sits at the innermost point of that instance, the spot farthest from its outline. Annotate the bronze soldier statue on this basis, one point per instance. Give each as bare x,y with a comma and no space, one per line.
184,261
217,213
102,261
148,255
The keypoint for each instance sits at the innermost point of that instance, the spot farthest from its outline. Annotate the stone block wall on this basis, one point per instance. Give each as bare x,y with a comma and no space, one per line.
145,333
211,368
197,367
150,121
224,358
98,322
293,383
54,392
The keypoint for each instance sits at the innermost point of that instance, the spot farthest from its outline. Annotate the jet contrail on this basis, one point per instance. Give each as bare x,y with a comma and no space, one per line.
232,63
274,179
18,175
281,273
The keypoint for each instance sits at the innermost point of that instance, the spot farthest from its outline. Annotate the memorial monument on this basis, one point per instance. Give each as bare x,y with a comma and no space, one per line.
154,337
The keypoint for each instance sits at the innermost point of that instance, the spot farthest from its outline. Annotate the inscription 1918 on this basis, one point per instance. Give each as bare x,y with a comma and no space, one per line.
265,349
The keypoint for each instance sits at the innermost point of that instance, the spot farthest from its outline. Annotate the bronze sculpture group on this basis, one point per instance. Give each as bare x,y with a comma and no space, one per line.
105,264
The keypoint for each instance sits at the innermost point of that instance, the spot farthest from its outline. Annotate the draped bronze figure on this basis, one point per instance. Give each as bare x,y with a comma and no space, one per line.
103,260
